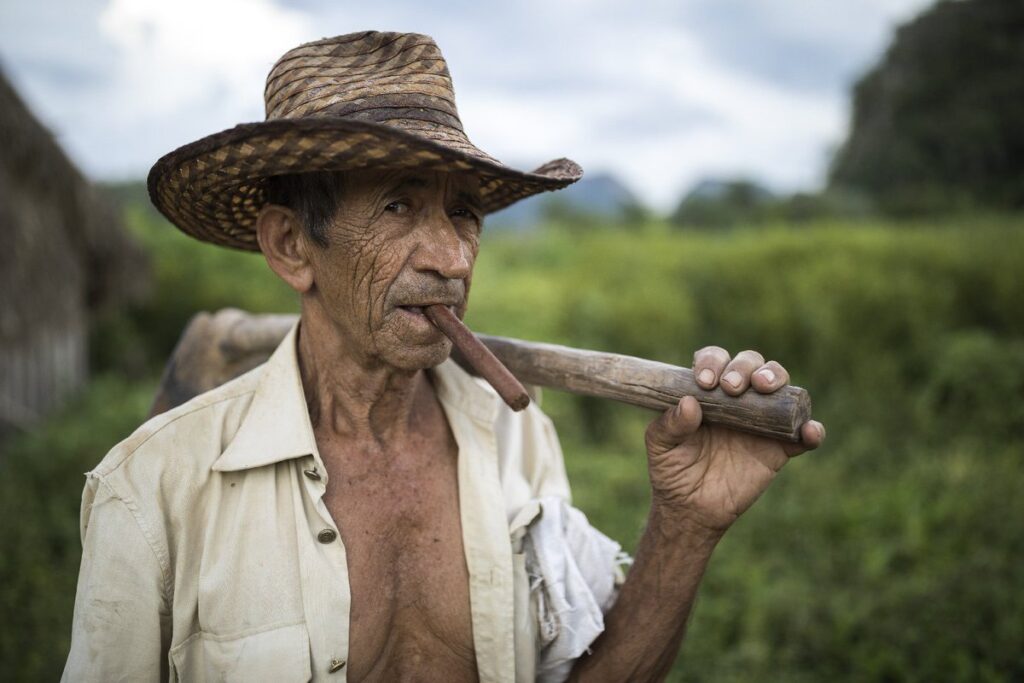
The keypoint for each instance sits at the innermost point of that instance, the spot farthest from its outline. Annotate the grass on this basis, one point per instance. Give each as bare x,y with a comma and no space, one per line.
895,553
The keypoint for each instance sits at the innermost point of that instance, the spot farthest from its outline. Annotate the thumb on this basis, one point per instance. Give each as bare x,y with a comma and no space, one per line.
674,426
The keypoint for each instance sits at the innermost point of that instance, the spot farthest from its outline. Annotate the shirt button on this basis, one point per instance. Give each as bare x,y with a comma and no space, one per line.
336,665
312,474
327,536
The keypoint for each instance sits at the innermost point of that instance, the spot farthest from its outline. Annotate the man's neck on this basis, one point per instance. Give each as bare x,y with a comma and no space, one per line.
355,399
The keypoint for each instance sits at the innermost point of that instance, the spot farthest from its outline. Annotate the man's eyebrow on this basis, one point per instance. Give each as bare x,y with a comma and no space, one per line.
419,182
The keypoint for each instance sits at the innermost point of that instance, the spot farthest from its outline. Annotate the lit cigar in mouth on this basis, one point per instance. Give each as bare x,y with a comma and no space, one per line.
479,356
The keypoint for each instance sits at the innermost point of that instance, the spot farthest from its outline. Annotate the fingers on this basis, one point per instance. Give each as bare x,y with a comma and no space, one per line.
736,376
674,426
708,364
769,377
712,367
812,435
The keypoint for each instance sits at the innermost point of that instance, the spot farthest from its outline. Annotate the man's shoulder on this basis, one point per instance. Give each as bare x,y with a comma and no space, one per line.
188,437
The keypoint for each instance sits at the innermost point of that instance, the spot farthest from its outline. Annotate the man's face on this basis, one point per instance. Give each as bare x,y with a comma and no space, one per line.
399,241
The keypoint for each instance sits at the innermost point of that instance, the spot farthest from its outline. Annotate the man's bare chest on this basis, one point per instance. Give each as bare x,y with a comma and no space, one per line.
409,584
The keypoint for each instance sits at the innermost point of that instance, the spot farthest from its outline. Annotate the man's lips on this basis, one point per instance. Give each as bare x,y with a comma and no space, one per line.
417,309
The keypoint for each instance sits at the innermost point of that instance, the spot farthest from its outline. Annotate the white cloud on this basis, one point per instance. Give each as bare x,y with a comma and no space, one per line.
661,92
190,57
742,125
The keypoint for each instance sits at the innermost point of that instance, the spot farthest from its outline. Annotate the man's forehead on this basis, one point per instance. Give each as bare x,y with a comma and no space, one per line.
417,179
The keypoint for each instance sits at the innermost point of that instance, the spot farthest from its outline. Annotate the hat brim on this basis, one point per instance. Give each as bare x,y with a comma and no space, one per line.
213,189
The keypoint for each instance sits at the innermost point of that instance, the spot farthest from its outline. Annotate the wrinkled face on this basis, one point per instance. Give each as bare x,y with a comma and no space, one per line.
400,240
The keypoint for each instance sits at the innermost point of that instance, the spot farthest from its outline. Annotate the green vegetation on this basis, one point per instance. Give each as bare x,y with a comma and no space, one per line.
40,495
720,204
894,553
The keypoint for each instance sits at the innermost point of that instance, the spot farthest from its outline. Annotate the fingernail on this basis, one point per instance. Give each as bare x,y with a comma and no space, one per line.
821,431
732,379
768,376
706,376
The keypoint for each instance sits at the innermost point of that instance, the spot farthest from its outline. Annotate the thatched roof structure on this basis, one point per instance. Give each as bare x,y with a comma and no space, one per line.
63,255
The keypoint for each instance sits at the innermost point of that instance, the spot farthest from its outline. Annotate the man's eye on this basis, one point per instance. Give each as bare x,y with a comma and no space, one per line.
397,207
464,213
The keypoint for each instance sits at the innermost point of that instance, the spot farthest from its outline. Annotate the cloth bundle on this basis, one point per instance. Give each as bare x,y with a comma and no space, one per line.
574,573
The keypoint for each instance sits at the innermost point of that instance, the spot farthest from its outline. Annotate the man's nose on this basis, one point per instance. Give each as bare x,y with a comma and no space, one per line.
443,250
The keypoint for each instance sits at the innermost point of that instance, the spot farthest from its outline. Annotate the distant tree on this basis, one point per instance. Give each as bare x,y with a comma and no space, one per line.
722,204
940,121
805,207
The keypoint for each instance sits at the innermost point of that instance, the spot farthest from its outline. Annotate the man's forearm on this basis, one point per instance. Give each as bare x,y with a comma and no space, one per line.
644,629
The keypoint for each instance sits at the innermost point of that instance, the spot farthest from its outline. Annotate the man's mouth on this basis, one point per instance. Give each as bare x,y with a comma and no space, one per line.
417,309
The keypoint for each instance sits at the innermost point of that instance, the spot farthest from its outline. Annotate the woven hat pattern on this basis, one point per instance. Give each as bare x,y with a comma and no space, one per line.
359,101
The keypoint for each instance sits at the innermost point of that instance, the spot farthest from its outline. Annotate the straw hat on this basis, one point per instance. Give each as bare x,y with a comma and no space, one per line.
362,100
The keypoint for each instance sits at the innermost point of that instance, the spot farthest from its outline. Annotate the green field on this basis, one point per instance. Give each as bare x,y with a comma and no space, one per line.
895,553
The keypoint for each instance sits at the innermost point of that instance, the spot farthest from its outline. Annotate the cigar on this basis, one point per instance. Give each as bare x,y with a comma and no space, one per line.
479,356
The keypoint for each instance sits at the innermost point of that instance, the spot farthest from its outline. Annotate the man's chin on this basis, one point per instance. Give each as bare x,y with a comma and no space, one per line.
412,356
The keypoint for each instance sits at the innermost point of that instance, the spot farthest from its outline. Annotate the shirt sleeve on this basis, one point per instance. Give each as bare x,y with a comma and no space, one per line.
121,627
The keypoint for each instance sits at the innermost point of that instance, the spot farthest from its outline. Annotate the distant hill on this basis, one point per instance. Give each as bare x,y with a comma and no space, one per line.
936,125
600,195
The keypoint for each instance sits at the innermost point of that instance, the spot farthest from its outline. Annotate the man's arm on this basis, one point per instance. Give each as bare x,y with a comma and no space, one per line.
645,627
121,629
702,479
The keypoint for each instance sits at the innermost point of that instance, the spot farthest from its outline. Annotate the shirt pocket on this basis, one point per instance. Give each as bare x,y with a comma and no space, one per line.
275,654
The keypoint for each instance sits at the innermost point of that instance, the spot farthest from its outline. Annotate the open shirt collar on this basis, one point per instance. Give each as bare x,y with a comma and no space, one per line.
277,426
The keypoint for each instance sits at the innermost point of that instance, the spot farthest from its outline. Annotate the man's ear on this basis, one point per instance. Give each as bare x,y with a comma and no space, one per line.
284,246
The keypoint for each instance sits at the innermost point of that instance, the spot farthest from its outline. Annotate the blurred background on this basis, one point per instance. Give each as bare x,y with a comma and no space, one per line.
839,185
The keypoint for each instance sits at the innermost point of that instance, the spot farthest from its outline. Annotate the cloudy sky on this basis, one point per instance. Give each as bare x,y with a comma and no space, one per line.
662,93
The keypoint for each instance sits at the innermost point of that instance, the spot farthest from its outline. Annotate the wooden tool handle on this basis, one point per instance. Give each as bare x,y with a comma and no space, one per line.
216,348
650,384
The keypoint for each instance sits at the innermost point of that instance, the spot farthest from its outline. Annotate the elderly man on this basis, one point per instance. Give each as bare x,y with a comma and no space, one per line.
359,507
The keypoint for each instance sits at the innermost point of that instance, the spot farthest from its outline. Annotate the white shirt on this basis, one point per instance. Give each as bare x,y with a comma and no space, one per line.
208,554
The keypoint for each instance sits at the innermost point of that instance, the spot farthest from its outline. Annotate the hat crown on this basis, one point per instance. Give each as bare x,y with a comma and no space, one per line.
397,79
358,101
